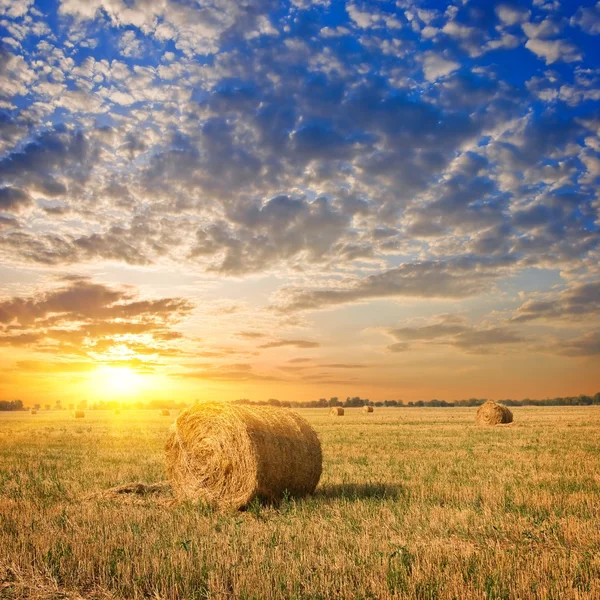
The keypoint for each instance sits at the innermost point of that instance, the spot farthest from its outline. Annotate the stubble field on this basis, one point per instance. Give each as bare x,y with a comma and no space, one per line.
413,503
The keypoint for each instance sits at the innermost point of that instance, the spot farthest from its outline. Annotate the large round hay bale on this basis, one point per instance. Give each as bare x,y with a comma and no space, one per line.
79,414
337,411
368,409
228,455
492,413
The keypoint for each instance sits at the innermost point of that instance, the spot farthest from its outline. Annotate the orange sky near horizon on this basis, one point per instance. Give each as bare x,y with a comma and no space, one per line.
99,340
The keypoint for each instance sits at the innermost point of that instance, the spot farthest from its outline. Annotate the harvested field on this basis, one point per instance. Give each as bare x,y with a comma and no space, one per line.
412,503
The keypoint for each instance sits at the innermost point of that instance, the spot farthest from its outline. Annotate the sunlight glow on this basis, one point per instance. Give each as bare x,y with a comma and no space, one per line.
117,382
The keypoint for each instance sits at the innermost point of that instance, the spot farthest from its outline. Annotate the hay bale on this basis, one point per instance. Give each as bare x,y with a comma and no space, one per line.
165,412
337,411
368,409
492,413
79,414
33,411
228,455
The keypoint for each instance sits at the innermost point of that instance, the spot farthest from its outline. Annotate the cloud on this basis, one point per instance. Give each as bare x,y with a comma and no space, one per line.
294,343
432,279
588,18
454,331
84,318
511,14
580,302
241,372
586,345
436,66
342,366
554,50
342,155
13,199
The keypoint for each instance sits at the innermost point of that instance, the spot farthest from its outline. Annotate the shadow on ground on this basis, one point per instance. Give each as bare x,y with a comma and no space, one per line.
360,491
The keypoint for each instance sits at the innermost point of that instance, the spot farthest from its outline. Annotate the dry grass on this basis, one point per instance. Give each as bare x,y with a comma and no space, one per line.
229,455
413,503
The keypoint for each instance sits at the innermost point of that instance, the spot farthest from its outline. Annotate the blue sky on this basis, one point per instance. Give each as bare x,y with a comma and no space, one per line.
385,185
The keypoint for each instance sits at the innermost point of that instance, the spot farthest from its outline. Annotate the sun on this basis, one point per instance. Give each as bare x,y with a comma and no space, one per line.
117,381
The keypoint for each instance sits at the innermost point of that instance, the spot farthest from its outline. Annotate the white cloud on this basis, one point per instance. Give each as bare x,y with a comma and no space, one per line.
511,15
588,19
547,28
15,8
554,50
130,45
363,19
436,66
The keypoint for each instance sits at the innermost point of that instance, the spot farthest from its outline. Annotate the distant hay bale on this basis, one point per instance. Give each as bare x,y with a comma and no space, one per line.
228,455
492,413
337,411
33,411
117,411
79,414
165,412
368,409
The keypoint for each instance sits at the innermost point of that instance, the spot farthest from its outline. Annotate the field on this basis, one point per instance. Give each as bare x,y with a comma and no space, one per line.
413,503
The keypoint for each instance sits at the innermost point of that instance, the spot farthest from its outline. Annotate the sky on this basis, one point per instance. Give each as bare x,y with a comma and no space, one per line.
221,199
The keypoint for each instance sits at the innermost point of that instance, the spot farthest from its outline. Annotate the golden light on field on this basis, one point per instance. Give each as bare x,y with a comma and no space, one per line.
117,382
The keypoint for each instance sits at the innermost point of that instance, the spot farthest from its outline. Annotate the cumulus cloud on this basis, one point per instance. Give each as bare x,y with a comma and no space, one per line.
554,50
511,14
588,18
436,66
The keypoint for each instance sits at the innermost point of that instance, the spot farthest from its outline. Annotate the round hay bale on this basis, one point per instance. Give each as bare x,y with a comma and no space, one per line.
228,455
368,409
165,412
337,411
79,414
33,411
492,413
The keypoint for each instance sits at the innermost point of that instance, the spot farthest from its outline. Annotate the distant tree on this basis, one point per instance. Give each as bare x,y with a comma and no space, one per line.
11,405
273,402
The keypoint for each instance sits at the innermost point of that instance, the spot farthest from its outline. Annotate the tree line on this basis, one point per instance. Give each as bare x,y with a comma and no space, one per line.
356,401
349,402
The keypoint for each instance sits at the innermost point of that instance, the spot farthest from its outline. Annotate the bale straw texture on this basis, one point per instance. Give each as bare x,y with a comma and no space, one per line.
492,413
368,409
79,414
228,455
337,411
